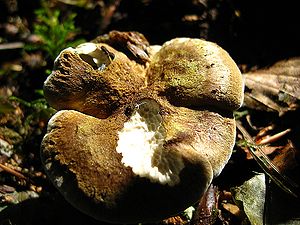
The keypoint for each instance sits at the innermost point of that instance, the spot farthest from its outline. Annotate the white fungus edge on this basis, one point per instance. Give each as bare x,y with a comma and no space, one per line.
141,144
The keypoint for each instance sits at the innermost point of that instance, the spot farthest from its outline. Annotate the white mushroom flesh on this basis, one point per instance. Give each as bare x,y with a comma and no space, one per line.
141,143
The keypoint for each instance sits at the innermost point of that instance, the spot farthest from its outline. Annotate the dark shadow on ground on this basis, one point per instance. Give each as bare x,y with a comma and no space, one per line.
48,210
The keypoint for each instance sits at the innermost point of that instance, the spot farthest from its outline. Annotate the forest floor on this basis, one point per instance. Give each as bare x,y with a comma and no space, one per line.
257,35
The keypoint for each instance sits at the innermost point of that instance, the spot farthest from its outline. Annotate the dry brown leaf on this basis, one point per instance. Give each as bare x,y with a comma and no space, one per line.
207,212
266,150
276,88
134,44
286,160
233,209
175,220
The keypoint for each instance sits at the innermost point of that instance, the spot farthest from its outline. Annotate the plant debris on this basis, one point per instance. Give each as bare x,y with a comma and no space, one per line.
276,88
263,43
251,196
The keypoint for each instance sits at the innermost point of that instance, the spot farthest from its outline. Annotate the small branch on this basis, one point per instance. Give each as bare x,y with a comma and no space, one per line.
273,138
267,166
12,45
13,172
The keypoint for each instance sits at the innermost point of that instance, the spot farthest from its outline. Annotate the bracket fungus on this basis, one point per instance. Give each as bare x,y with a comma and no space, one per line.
139,143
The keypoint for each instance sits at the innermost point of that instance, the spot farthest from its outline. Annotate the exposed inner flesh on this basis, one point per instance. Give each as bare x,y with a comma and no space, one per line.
97,56
141,143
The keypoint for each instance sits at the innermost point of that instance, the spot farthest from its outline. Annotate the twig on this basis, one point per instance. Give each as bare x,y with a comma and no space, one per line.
273,138
12,45
13,172
267,166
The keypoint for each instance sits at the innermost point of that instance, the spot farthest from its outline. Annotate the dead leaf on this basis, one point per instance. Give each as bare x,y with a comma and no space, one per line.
175,220
207,212
6,189
267,165
233,209
276,88
251,195
133,44
287,162
267,150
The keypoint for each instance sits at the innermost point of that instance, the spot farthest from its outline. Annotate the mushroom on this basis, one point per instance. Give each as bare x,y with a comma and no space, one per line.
133,143
76,82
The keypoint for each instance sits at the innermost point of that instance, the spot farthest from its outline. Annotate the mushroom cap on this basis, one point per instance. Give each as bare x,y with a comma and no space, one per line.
142,154
97,182
194,72
94,79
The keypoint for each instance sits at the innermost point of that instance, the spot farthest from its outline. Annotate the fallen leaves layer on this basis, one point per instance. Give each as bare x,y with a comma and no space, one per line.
274,89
